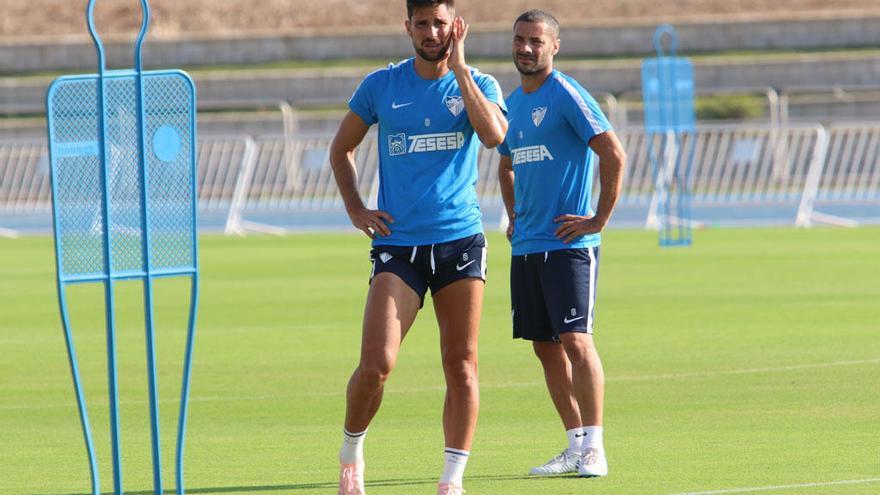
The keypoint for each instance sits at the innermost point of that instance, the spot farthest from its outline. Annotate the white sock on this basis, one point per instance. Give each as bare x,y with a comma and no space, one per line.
575,439
453,471
352,447
592,438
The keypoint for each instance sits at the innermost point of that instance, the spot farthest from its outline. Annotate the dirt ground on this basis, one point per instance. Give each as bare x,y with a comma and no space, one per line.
218,17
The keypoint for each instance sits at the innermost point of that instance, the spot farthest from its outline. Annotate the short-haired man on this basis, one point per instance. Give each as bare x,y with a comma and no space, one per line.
546,174
427,231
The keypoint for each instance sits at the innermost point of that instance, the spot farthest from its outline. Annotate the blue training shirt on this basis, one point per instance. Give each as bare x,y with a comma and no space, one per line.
427,152
548,141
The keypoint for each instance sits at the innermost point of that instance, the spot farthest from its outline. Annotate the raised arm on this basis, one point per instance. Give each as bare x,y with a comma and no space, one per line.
486,117
350,134
612,159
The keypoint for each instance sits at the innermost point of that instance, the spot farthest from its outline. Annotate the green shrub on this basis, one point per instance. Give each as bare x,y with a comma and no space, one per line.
729,107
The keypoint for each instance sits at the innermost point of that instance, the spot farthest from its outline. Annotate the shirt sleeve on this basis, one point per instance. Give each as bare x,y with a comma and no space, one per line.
503,148
491,89
581,110
363,101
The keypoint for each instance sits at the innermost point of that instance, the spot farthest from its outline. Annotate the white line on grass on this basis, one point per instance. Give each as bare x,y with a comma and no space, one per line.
743,371
100,337
434,388
782,487
648,378
104,403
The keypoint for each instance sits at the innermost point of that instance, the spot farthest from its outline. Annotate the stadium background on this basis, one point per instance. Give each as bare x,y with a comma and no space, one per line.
748,363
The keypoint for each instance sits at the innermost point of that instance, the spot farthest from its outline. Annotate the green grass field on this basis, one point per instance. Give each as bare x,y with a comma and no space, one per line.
749,361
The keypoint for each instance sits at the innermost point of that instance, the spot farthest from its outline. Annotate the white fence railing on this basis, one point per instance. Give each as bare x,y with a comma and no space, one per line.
848,189
24,177
24,182
740,175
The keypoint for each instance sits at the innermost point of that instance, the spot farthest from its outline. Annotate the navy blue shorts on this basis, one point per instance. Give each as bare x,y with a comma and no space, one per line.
553,293
433,266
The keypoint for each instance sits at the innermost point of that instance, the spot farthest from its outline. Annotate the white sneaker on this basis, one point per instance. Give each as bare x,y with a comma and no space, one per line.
566,462
593,463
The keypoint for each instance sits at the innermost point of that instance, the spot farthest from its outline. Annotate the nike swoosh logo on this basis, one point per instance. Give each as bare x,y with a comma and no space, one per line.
462,267
579,435
567,320
395,106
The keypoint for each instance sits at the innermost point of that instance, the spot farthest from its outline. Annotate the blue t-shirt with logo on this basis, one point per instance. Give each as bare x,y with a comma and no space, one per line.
548,141
427,152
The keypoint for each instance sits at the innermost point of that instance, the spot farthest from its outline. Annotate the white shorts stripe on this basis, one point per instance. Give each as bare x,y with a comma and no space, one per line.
592,300
483,264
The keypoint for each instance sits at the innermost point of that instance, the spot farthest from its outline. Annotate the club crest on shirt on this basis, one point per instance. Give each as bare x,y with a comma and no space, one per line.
455,105
397,144
538,115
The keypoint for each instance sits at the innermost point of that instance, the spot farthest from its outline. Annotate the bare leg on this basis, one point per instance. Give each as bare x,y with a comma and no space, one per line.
390,311
557,374
588,379
458,307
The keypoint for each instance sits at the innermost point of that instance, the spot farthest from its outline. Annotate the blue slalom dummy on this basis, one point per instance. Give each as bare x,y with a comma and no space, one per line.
123,164
670,118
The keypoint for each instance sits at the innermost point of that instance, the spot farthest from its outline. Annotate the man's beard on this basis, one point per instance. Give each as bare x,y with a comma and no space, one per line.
535,69
434,58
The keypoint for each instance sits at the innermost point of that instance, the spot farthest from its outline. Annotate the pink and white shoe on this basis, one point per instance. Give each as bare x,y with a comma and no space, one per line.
449,489
593,463
351,479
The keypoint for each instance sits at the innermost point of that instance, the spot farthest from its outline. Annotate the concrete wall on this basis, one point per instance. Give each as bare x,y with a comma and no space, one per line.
706,35
305,87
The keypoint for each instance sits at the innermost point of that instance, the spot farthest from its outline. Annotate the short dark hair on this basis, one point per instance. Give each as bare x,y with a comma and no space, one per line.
412,5
537,15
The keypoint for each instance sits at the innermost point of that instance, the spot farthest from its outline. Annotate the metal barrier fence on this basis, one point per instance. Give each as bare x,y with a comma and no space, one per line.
290,184
24,186
742,175
748,175
847,191
24,177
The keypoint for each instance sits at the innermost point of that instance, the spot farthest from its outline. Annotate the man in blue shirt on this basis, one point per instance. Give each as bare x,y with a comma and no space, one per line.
427,231
546,174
